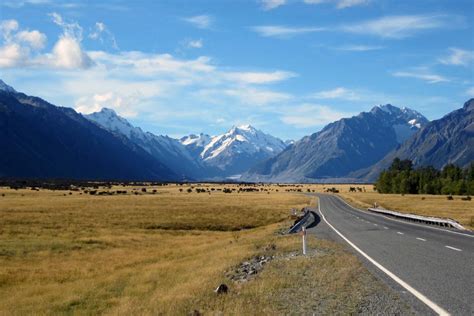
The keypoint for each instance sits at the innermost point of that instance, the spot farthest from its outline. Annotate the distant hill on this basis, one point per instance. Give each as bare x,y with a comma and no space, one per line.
341,147
40,140
447,140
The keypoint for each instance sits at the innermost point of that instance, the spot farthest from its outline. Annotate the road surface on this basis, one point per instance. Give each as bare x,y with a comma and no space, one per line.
433,268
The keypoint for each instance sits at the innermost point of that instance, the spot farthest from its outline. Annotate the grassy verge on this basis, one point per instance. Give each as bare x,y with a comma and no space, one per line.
428,205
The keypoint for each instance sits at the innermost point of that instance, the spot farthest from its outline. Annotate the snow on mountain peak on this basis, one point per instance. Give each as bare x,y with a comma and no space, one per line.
109,119
414,123
243,139
387,108
246,127
200,140
5,87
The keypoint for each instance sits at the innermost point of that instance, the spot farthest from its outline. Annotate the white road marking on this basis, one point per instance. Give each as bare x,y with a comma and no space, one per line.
420,239
400,233
437,309
376,225
457,249
404,222
385,227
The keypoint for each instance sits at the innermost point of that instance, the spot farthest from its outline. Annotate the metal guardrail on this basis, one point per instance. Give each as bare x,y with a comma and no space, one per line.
298,225
444,222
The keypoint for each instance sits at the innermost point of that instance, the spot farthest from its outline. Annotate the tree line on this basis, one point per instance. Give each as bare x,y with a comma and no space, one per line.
402,178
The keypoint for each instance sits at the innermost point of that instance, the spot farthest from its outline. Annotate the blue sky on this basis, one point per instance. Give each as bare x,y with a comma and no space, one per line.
286,67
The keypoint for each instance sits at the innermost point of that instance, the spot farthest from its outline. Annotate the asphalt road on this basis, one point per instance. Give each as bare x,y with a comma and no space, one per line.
433,268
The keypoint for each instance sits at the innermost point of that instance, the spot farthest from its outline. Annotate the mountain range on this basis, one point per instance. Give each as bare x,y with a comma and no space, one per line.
235,151
342,147
41,140
449,140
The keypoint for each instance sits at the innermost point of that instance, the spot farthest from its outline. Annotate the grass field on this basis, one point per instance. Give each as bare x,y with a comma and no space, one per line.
68,252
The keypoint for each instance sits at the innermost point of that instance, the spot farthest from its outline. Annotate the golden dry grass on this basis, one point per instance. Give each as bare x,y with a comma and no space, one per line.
160,253
61,254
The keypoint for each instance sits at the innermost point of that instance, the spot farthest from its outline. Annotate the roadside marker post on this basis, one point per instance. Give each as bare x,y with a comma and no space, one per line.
303,233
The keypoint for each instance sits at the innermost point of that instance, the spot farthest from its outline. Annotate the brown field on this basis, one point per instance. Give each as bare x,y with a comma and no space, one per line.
65,252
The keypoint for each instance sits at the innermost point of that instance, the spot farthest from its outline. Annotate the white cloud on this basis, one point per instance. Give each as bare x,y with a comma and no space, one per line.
259,77
399,26
422,75
359,48
7,27
101,33
470,92
312,115
68,54
70,29
111,100
337,93
18,45
316,1
21,3
284,31
272,4
22,47
252,96
198,43
200,21
458,57
11,55
149,65
340,4
34,38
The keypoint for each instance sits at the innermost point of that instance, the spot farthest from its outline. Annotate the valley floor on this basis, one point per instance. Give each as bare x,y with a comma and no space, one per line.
163,250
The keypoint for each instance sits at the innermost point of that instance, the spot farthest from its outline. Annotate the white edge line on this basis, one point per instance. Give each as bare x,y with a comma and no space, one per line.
410,289
400,233
405,222
422,239
457,249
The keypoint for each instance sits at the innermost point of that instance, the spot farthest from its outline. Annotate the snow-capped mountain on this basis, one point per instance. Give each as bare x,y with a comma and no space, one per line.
446,140
404,121
235,151
342,147
166,149
195,143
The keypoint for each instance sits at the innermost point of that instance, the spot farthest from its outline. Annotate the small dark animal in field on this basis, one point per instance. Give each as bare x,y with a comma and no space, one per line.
222,289
450,198
467,198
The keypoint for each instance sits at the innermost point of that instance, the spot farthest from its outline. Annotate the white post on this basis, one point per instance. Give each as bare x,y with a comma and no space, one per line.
303,232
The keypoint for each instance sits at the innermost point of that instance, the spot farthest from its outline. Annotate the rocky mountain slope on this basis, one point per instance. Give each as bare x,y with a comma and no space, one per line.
341,147
165,149
447,140
41,140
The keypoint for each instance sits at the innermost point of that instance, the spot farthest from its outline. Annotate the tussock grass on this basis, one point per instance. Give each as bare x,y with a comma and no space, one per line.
95,254
164,253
